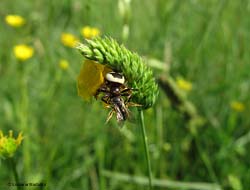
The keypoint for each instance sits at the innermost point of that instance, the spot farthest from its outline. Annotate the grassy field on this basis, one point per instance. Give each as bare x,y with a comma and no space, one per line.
201,143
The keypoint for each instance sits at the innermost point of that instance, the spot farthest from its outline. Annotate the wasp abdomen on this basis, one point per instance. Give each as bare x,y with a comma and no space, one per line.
120,107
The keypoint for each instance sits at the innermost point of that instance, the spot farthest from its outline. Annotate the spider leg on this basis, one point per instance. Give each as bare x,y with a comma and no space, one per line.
132,104
110,116
103,88
106,99
107,106
127,92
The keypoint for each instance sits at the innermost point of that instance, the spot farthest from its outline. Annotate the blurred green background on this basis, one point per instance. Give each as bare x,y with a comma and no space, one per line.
67,144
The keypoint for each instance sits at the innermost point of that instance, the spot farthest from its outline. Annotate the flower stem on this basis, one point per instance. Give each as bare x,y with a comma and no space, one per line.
145,142
13,168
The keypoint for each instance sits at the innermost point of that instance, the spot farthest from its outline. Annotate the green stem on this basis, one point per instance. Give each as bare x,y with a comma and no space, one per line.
23,112
160,183
100,154
13,168
145,142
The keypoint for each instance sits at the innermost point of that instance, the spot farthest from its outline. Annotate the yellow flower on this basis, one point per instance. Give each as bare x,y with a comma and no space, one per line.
95,32
69,40
8,144
89,32
64,64
237,106
86,32
23,52
14,20
184,84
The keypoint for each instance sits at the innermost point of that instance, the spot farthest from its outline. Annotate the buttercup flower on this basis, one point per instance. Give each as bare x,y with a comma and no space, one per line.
64,64
9,144
90,32
23,52
184,84
237,106
15,20
69,40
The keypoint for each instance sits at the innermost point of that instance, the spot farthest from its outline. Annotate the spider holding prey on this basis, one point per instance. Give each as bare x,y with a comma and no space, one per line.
96,79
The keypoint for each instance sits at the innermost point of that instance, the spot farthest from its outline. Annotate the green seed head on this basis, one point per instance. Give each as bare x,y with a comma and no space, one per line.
108,52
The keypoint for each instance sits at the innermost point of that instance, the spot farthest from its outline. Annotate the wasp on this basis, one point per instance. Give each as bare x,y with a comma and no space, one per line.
117,96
